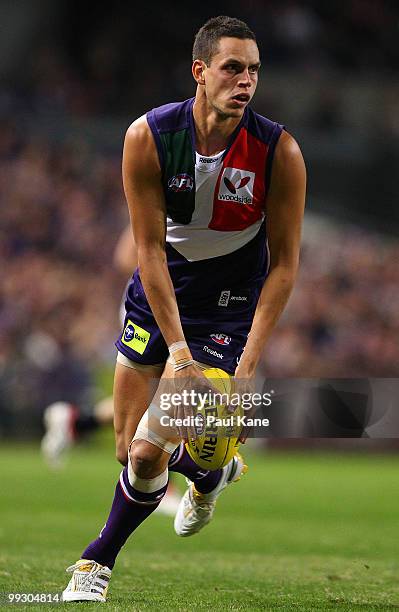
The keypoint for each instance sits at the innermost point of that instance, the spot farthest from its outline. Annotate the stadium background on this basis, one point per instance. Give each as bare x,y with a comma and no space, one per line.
72,81
73,77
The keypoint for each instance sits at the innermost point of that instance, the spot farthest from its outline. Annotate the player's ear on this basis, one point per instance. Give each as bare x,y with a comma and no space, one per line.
198,70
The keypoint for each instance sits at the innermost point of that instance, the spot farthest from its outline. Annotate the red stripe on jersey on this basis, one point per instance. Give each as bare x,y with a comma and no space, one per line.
240,191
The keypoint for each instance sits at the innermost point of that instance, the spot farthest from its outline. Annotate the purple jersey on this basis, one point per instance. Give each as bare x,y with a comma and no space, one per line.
216,241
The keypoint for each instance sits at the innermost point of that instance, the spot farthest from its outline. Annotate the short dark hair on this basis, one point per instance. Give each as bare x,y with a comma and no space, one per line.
207,37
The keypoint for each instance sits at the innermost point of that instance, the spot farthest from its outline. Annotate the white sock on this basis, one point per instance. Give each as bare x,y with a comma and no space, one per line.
147,485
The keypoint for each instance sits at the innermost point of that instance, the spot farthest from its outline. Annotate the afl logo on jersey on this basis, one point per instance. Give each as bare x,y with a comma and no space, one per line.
237,186
181,182
221,339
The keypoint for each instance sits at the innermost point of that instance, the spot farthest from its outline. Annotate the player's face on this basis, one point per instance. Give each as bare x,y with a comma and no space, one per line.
232,76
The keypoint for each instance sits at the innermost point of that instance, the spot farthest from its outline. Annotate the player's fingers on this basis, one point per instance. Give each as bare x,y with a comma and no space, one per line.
178,420
190,415
183,427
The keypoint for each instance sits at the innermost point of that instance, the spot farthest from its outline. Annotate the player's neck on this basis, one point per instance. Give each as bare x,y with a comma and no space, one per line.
212,130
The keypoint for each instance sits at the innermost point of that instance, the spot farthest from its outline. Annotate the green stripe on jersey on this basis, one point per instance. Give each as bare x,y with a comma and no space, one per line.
179,161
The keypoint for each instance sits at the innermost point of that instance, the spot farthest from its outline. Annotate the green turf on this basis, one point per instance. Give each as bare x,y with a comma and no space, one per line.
299,532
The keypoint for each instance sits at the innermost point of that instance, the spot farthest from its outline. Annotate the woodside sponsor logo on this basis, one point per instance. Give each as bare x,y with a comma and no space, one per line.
237,185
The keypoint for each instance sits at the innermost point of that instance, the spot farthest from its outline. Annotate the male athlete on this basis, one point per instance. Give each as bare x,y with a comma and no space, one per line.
216,197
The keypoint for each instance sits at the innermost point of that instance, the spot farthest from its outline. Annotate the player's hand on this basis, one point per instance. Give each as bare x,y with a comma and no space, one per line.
244,387
190,379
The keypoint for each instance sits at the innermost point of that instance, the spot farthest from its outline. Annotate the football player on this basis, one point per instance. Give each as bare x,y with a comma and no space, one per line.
216,197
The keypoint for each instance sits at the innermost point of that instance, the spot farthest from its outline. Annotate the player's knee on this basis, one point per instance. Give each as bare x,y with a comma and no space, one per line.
145,458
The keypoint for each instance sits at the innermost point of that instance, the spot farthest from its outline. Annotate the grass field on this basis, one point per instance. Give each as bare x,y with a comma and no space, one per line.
299,532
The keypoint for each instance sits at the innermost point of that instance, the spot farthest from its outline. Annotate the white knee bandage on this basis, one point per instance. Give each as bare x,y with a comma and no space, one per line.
151,430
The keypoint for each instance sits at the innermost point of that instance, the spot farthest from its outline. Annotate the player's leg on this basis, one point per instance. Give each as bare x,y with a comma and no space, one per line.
134,387
140,488
197,507
198,503
138,384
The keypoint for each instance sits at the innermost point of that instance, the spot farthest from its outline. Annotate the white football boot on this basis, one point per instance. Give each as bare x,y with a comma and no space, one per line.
196,509
89,582
58,421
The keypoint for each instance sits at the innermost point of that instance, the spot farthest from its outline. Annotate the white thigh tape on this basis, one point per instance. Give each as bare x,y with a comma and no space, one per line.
141,367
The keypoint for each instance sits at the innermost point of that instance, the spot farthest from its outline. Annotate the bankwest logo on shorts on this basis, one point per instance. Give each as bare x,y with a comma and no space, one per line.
135,337
237,186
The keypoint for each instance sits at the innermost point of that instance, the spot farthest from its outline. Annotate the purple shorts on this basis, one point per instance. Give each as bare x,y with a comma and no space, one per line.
216,298
216,335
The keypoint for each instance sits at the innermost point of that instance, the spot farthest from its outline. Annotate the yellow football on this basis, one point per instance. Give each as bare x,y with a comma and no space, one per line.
217,430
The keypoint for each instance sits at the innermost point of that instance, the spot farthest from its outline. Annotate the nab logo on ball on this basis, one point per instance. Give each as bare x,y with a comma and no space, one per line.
181,182
199,424
135,337
221,339
237,185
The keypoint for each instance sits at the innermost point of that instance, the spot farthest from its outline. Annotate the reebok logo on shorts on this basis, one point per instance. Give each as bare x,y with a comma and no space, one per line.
226,296
135,337
212,352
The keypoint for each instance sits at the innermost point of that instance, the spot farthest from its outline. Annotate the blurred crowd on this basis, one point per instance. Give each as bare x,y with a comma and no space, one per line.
119,58
61,212
62,207
342,319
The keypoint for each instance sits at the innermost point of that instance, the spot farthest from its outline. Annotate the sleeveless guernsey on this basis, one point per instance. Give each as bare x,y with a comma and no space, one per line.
216,243
215,206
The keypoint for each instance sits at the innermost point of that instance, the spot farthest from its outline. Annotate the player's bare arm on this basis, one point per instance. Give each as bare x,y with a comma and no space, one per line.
142,184
285,207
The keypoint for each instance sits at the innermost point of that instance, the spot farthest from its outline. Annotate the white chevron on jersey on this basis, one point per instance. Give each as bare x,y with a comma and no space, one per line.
195,241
